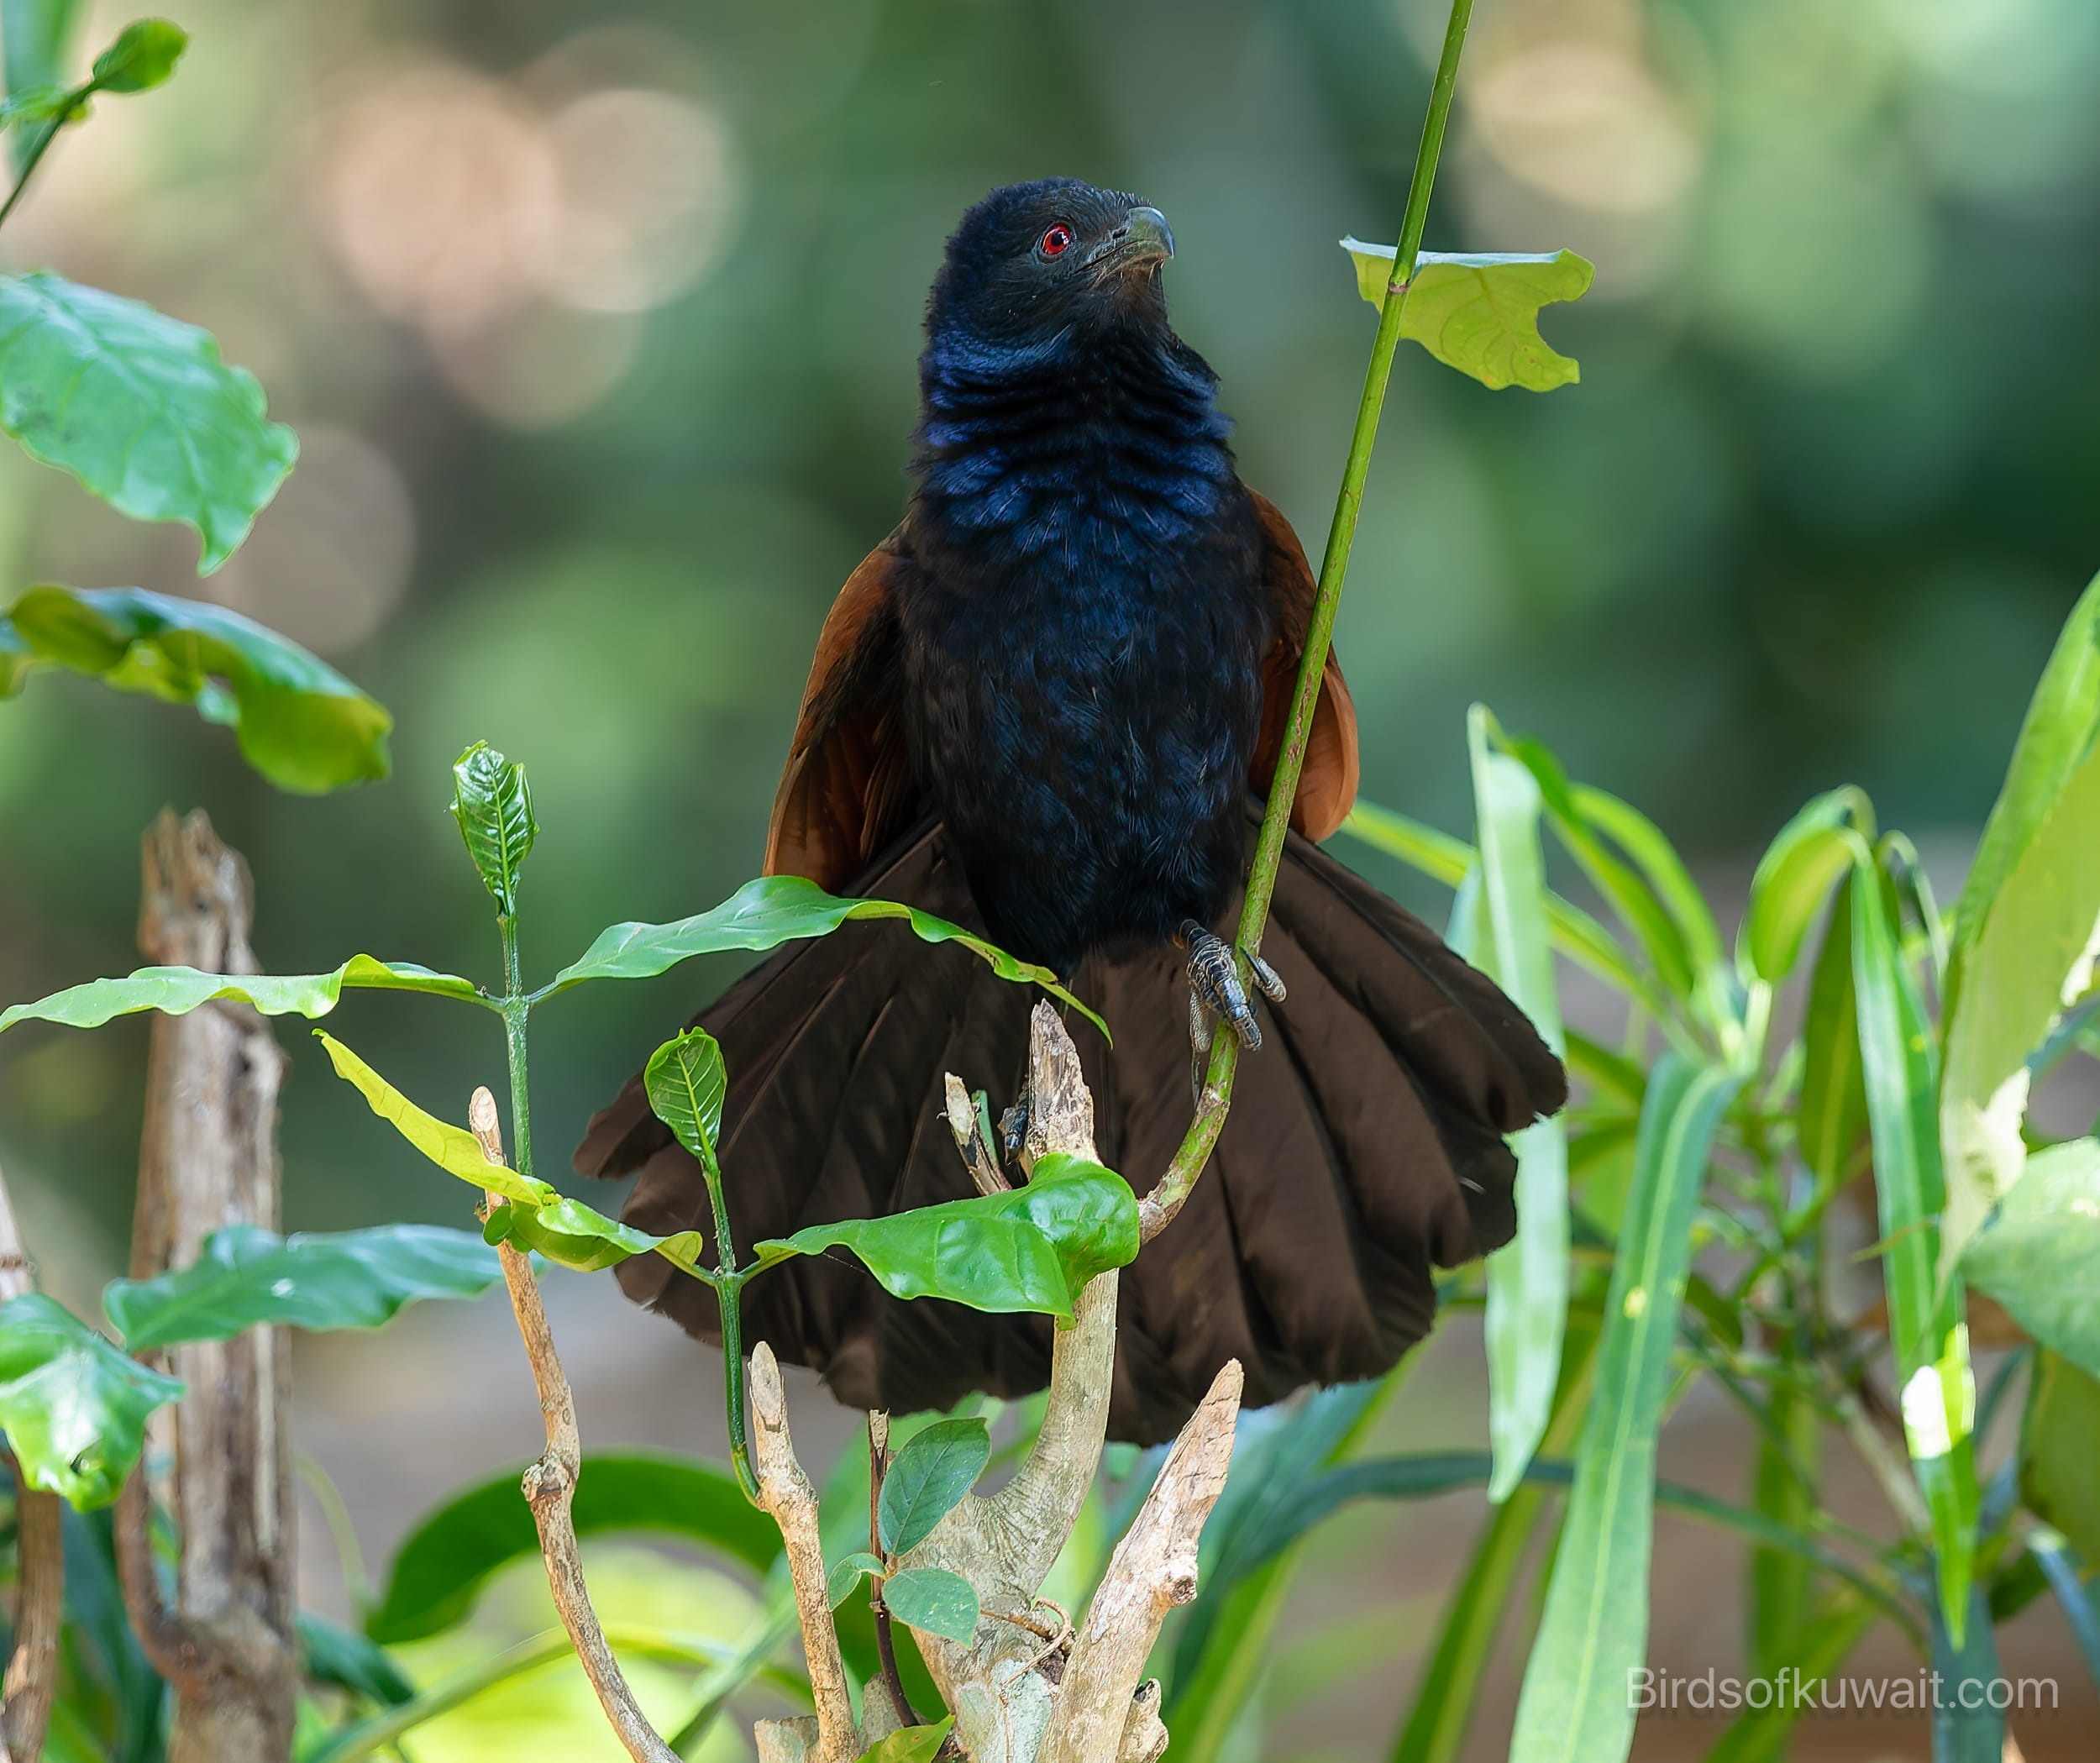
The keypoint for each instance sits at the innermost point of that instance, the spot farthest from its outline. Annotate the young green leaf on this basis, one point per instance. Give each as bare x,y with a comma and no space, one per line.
2040,1254
246,1276
1031,1249
910,1744
931,1475
143,56
177,991
493,804
37,37
73,1407
139,407
686,1083
2060,1451
767,912
838,1586
299,722
1573,1707
1527,1279
1832,1114
934,1599
453,1149
1479,311
1795,876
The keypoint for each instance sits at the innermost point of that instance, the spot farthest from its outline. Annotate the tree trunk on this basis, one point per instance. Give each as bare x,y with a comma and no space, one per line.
209,1159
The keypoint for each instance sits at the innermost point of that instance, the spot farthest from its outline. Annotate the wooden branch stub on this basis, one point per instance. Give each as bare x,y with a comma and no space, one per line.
1060,1107
968,1134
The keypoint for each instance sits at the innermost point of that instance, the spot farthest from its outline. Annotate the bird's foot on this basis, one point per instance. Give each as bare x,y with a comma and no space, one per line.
1215,989
1013,1126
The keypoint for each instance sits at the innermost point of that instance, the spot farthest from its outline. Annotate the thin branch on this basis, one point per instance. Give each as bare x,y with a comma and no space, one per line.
878,1456
32,1674
550,1484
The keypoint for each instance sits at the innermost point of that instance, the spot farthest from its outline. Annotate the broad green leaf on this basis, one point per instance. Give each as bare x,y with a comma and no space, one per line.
1794,877
2031,959
1832,1114
1527,1279
2040,1254
348,1661
299,722
767,912
576,1235
37,37
143,56
1031,1249
1899,1067
928,1478
1479,312
1819,1646
493,804
139,407
453,1552
910,1744
2060,1451
73,1407
246,1276
1594,1630
934,1599
686,1083
177,991
1782,1583
1966,1727
838,1585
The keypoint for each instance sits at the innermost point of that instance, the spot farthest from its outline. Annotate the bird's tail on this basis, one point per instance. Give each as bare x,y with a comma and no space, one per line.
1364,1149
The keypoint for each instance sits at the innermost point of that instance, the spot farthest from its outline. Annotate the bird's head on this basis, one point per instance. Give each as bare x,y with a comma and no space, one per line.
1032,261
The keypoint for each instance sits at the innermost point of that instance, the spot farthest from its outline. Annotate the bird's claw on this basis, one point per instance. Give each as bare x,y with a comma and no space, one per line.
1013,1126
1215,988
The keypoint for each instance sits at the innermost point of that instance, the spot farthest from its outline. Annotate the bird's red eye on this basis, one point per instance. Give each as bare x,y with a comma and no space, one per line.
1056,242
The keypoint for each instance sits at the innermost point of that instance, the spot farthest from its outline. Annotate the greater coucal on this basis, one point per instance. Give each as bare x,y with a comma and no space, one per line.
1047,707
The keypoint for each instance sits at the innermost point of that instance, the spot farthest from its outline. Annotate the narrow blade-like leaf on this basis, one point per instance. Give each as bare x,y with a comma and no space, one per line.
1795,876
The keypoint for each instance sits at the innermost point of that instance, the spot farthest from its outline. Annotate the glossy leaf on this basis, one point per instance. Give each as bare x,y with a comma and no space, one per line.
453,1149
686,1083
1527,1279
1899,1068
910,1744
763,915
1832,1114
928,1479
935,1600
139,407
1031,1249
1966,1727
1594,1630
493,805
348,1661
246,1276
2039,1254
143,56
1479,312
445,1561
2060,1451
177,991
73,1407
575,1235
1794,877
299,722
848,1573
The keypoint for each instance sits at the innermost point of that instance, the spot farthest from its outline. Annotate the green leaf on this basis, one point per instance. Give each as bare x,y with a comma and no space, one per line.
1897,1055
849,1573
1594,1630
177,991
139,407
771,911
1832,1114
1527,1279
40,104
928,1479
453,1149
1795,876
342,1657
246,1276
37,36
454,1552
1966,1727
1818,1648
934,1600
910,1744
143,56
2030,959
686,1083
493,804
2080,1602
73,1407
299,722
1782,1582
2060,1451
1479,312
2040,1254
1031,1249
576,1235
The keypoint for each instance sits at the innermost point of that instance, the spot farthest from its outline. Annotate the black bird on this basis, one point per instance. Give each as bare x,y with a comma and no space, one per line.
1047,705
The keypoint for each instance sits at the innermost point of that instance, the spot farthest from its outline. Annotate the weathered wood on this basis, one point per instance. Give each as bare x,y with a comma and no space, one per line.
32,1674
208,1159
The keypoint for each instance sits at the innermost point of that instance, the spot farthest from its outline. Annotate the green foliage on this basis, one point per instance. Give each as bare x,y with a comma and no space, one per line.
849,1572
935,1600
910,1744
1030,1249
246,1276
329,1654
139,407
1794,877
2059,1452
687,1083
299,722
928,1478
493,805
73,1407
1479,311
177,991
37,36
2040,1254
143,56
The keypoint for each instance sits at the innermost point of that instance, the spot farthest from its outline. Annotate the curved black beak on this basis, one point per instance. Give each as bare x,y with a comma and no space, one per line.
1143,240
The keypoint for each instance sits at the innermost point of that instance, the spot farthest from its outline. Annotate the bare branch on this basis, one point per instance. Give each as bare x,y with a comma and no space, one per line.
550,1485
969,1140
32,1676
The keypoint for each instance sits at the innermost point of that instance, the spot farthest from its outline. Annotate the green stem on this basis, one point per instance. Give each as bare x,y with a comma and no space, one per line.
1216,1099
516,1008
78,96
728,1284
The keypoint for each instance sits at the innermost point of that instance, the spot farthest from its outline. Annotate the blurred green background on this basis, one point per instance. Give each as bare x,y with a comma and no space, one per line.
598,324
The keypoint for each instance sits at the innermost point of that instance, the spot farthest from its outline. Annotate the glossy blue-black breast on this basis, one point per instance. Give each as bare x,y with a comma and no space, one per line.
1084,619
